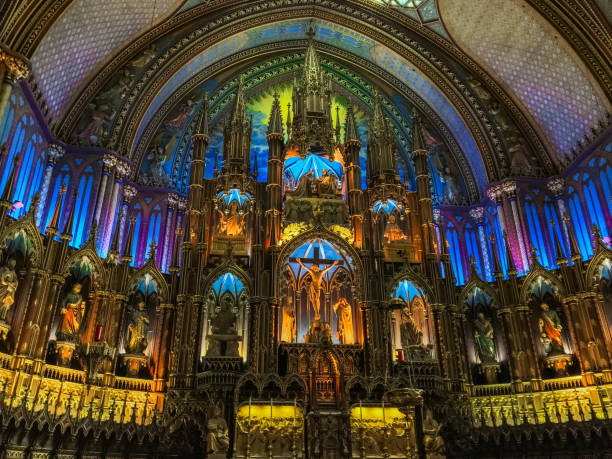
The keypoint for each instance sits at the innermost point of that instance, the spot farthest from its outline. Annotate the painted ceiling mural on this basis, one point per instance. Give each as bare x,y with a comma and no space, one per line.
326,32
167,161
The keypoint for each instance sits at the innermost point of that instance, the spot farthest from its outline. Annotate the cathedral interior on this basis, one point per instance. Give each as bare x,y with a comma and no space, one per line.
305,229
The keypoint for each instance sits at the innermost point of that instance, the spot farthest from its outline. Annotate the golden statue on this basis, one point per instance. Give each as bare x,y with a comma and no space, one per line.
72,311
288,331
8,287
345,322
232,224
138,328
314,289
392,230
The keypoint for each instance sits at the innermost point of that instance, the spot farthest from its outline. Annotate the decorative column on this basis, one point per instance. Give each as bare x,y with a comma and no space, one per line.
13,67
556,187
509,188
54,152
170,219
477,215
128,194
122,170
108,162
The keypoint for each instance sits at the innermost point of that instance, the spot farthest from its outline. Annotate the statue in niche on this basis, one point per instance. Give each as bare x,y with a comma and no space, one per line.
345,322
484,335
72,311
223,342
8,287
288,332
316,284
138,328
432,440
392,230
550,330
217,437
231,224
410,334
156,175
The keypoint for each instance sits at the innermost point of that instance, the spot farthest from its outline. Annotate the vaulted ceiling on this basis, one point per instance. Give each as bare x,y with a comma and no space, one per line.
495,76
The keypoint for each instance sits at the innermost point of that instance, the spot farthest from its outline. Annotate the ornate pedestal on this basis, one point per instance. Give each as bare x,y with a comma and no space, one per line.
134,362
223,346
558,363
65,349
93,356
490,370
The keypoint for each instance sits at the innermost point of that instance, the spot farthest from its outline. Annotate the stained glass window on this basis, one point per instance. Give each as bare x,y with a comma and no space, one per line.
81,207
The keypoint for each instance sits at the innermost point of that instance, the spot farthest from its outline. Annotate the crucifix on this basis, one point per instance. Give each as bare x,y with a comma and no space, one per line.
316,276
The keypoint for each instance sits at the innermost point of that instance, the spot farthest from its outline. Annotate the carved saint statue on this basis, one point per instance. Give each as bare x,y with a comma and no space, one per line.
8,287
288,332
138,329
392,230
550,330
484,338
72,311
345,322
231,224
217,438
410,334
432,440
314,290
223,342
327,184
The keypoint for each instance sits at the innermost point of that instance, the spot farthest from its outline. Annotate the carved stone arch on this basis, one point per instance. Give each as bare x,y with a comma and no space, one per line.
414,278
320,232
352,382
593,270
482,285
101,276
151,268
227,267
247,378
294,378
539,271
29,228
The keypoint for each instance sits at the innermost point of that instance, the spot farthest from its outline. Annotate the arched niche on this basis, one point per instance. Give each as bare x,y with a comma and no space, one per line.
139,324
550,327
604,286
226,312
18,253
412,328
484,337
232,211
73,312
317,292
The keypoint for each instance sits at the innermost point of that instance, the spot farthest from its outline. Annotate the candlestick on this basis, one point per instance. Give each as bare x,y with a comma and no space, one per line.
294,408
271,405
250,401
383,410
360,411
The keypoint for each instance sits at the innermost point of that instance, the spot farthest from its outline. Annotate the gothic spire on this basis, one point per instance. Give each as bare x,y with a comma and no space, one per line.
497,270
239,112
289,119
418,141
561,260
574,249
511,266
275,125
127,250
67,233
351,134
54,223
202,120
312,75
378,124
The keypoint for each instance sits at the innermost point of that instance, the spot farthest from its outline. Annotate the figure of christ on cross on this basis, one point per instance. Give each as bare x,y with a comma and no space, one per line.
316,277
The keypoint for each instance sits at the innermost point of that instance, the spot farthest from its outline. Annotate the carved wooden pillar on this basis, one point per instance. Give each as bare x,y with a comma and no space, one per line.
48,306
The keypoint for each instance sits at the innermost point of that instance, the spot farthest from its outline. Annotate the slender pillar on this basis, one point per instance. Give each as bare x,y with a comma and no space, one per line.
509,189
13,67
128,194
121,170
107,164
477,215
556,187
54,152
170,219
